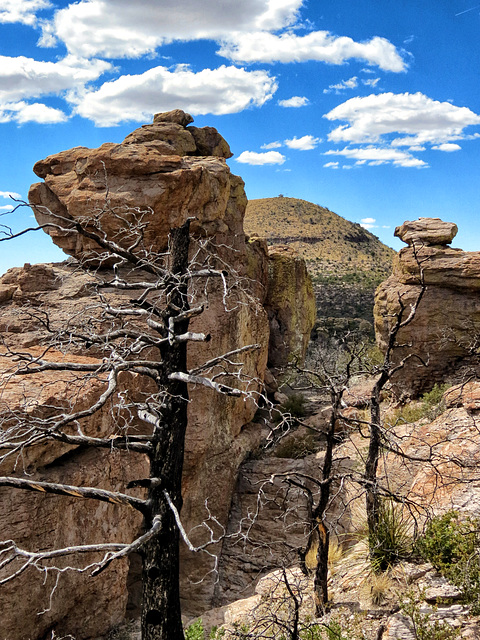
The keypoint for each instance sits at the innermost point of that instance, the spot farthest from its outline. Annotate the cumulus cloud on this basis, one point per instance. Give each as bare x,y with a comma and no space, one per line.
21,113
269,157
378,155
138,97
295,101
368,223
447,146
305,143
22,11
10,194
117,29
419,118
22,77
332,165
272,145
371,82
351,83
317,45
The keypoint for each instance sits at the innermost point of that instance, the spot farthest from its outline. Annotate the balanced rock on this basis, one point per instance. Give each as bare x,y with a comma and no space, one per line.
442,285
427,231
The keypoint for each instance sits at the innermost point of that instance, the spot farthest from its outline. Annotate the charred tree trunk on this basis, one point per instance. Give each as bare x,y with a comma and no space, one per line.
161,614
322,532
371,498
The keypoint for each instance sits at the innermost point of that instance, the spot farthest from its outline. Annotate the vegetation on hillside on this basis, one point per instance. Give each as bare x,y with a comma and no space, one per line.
346,261
334,248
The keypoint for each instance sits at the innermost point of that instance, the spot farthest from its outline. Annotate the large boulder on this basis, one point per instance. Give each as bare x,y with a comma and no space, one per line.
161,175
446,321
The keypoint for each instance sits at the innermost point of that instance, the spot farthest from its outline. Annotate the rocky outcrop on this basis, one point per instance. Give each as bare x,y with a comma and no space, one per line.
290,304
446,325
161,175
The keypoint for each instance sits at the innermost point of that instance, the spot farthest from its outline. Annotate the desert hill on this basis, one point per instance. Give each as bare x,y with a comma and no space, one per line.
346,261
330,244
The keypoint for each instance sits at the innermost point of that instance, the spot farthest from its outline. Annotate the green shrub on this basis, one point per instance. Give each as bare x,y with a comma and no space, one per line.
430,406
391,542
294,448
452,544
423,625
195,631
295,405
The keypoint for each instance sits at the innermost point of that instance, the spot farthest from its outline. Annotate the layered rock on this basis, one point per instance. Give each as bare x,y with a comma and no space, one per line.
160,175
447,319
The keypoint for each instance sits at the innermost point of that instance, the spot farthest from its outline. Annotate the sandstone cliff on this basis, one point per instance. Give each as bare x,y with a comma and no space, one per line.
161,174
445,330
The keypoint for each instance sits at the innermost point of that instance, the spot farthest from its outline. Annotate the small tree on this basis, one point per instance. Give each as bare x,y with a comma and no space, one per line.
143,334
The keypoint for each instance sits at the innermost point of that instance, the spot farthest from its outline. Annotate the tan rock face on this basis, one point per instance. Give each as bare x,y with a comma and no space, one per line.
447,320
161,174
290,304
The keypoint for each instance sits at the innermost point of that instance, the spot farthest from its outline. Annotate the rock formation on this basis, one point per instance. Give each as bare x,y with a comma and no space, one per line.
161,174
446,326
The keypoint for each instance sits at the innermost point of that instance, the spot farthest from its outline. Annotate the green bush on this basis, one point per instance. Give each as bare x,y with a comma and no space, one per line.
452,544
295,405
423,625
391,542
195,631
431,406
294,448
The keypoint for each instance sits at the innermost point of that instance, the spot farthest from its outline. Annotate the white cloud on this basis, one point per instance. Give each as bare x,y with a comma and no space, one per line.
138,97
23,77
371,82
9,194
447,146
270,157
305,143
272,145
120,28
23,11
331,165
295,101
21,112
379,155
317,45
422,119
368,223
351,83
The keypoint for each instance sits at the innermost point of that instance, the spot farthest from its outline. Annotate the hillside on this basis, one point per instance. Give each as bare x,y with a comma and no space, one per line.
346,261
330,244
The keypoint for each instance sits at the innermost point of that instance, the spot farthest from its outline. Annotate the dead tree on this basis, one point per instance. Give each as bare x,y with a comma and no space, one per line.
145,335
385,372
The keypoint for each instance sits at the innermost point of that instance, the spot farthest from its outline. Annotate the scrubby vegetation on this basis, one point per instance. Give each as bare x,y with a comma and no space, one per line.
451,542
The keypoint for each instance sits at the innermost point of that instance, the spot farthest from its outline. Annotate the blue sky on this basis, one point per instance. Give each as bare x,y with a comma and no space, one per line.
368,107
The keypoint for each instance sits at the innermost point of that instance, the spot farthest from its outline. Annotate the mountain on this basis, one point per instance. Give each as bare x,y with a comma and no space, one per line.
331,245
346,261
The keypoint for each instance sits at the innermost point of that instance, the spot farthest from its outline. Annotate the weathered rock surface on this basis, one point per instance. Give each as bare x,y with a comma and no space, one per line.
447,319
290,304
427,231
162,173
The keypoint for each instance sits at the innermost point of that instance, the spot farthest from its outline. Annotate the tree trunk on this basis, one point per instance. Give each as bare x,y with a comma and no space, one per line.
161,614
371,465
323,535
